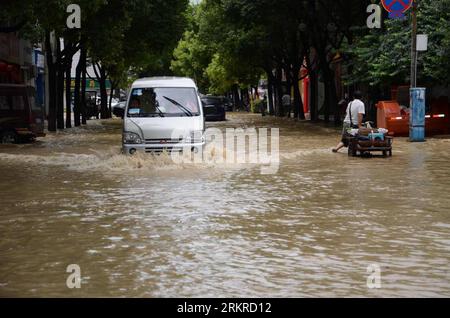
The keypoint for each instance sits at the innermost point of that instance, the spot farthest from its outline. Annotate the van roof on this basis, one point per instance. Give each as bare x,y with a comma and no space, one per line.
164,82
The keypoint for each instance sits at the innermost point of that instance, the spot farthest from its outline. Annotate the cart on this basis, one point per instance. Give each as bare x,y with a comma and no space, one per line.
367,147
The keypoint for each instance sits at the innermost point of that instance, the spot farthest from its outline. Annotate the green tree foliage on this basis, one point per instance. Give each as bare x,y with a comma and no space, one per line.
434,20
220,80
383,57
191,58
155,30
193,53
247,38
119,36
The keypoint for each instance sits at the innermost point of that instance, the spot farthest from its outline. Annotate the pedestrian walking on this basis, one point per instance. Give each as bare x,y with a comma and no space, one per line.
353,119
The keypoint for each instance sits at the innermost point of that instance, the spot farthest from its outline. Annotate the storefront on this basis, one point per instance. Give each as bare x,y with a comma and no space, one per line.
10,59
15,59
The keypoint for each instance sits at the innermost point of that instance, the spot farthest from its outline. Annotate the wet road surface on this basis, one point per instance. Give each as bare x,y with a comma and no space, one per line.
145,227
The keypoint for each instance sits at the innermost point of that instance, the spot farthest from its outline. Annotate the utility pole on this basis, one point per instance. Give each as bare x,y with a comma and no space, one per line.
414,46
417,109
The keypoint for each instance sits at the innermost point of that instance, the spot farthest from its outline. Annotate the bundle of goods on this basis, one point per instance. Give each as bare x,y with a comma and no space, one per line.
367,140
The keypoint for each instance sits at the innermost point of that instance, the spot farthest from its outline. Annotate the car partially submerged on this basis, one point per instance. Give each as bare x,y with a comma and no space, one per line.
21,118
163,114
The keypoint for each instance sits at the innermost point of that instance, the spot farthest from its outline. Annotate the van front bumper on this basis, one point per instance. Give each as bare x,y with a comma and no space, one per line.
131,149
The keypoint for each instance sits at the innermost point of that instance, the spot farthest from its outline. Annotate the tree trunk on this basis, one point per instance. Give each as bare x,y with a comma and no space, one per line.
83,57
334,100
103,95
77,93
279,92
247,101
111,95
51,85
270,93
313,96
330,103
288,88
326,103
237,102
330,95
60,93
69,93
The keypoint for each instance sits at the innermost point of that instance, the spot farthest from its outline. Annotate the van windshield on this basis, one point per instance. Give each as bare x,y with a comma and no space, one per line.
163,102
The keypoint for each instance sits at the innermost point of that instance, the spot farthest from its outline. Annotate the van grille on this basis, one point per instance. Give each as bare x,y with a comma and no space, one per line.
162,150
164,141
171,141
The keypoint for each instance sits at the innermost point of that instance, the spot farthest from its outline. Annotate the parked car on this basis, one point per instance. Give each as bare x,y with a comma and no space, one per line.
163,114
21,119
119,109
114,102
228,104
214,108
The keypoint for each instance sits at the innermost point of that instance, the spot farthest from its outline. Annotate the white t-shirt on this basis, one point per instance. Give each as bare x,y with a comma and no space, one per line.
357,107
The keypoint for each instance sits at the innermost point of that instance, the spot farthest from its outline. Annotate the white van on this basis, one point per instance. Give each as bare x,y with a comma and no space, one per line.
163,114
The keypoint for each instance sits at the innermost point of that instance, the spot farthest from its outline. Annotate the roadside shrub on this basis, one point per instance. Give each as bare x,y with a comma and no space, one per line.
255,106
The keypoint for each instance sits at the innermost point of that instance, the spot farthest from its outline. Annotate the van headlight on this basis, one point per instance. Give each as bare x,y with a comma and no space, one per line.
131,138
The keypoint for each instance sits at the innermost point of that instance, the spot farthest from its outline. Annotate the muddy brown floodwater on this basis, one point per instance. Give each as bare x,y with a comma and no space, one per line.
144,226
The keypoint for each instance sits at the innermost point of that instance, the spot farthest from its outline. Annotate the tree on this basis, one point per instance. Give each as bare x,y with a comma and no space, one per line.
248,38
191,58
193,54
382,57
117,35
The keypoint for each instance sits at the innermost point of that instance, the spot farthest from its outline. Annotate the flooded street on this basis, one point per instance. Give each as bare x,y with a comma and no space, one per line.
145,227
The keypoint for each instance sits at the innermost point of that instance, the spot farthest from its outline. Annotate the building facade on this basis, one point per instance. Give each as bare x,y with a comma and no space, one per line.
16,60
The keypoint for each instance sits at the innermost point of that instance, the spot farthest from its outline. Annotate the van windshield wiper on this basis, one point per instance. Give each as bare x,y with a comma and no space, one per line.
184,109
161,114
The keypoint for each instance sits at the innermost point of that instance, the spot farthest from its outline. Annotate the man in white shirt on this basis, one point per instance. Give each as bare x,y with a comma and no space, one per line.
353,119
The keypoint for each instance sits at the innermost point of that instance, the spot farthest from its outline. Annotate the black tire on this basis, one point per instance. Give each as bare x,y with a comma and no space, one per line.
9,137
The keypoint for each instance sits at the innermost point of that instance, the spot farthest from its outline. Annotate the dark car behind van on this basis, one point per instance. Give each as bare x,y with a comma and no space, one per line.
21,119
214,108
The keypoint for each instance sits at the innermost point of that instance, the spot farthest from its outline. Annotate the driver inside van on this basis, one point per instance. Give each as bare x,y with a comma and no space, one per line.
135,103
149,102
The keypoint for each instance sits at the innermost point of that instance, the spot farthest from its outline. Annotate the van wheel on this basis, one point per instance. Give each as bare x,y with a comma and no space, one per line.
9,137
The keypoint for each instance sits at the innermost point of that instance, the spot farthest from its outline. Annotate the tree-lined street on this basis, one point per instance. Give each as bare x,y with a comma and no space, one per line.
97,98
143,226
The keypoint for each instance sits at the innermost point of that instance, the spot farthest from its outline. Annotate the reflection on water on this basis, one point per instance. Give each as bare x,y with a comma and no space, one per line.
144,227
